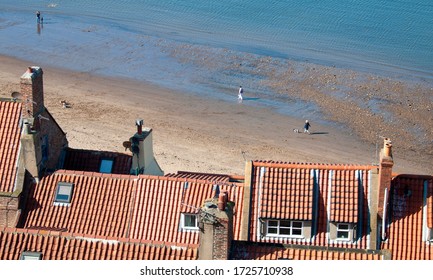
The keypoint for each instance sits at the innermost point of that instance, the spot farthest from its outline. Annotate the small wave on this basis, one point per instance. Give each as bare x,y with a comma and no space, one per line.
52,5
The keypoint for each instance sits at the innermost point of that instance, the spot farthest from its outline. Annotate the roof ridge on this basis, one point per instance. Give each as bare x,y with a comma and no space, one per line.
61,172
334,166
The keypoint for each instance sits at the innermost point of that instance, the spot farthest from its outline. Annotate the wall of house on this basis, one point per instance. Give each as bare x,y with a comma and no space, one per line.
57,141
145,160
44,129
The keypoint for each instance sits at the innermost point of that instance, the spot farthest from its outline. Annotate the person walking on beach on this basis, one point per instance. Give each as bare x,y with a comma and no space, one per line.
38,16
307,126
241,91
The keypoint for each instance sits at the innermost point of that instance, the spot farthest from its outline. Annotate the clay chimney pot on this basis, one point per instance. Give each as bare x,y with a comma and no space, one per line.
387,147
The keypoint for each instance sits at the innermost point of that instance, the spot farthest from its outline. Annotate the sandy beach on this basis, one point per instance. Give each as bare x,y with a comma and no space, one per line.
191,133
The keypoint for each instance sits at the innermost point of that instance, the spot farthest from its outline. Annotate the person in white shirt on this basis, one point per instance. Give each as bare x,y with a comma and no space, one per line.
241,91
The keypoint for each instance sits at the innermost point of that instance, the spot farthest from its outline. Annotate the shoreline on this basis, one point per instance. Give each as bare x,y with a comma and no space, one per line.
192,133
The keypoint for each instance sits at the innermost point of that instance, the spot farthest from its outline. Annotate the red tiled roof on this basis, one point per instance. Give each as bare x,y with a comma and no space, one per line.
200,176
10,134
66,246
344,196
410,210
267,251
89,160
121,206
286,194
310,192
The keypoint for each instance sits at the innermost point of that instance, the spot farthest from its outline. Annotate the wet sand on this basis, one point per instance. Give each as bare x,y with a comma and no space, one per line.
191,133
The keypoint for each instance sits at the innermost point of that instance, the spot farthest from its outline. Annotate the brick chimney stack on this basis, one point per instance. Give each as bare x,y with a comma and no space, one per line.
32,91
385,174
216,228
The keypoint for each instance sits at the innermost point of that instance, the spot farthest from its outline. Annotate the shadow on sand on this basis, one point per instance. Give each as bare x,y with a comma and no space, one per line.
317,133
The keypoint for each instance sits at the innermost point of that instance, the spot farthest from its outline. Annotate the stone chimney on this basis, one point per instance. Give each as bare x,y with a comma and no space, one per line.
216,228
143,160
385,174
32,91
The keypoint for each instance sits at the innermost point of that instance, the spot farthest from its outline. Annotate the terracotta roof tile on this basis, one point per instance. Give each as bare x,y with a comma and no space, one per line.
71,247
409,229
201,176
310,192
266,251
344,196
10,135
136,207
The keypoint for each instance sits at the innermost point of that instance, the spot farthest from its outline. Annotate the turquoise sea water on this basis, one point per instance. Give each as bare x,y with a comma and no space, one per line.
211,47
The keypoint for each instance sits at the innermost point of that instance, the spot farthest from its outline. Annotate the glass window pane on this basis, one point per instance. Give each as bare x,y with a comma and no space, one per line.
106,166
297,224
189,220
64,192
272,223
285,223
285,231
272,230
343,234
297,232
343,226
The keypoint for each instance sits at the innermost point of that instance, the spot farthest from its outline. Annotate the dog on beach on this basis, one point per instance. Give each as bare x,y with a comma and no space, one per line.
65,104
295,130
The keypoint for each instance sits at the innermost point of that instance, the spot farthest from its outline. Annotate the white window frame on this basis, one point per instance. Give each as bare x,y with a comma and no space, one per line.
291,227
103,166
63,195
347,230
183,219
31,256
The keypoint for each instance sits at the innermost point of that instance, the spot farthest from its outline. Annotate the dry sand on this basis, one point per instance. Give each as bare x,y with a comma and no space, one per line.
196,134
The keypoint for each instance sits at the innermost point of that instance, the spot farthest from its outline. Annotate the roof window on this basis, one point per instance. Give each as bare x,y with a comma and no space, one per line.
31,256
63,193
106,165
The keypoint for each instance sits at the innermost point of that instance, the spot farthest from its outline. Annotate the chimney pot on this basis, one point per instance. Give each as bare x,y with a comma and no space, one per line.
222,200
387,144
29,70
221,205
139,124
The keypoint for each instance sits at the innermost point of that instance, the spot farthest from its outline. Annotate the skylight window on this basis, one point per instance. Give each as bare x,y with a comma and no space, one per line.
31,256
63,193
106,166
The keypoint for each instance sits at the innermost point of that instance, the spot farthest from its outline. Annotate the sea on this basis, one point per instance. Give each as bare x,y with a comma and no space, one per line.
210,48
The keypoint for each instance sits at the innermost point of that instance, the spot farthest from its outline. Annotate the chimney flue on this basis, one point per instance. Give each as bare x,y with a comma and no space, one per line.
139,124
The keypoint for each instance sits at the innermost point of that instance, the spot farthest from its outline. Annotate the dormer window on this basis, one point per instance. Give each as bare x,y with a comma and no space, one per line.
342,231
106,165
189,222
31,256
63,194
284,228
